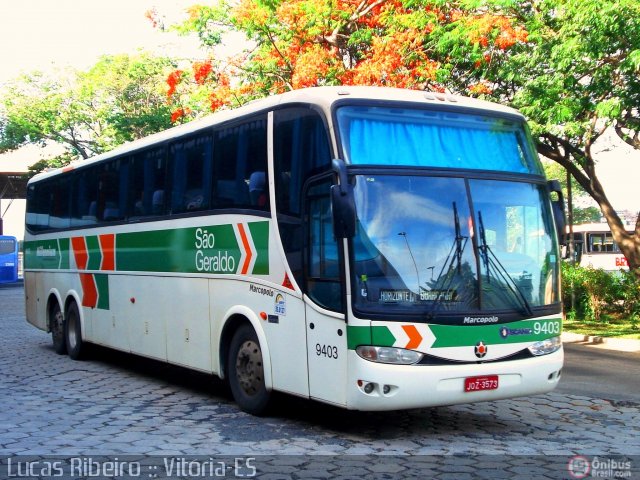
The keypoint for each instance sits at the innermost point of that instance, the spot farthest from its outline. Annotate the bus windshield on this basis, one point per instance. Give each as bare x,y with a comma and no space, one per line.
7,246
427,138
420,248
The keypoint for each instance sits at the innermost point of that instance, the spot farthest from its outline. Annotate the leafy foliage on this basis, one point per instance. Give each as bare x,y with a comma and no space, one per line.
572,66
596,295
119,99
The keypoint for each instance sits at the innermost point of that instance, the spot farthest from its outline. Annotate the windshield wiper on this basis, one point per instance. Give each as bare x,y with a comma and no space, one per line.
452,262
491,262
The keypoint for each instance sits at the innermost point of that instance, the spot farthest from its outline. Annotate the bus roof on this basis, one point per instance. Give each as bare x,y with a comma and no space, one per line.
324,97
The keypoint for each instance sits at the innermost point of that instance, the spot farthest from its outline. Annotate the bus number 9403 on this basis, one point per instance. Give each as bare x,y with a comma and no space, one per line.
328,351
551,328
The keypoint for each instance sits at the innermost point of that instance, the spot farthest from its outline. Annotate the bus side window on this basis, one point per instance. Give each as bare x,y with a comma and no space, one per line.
84,198
112,180
147,187
59,215
240,166
190,168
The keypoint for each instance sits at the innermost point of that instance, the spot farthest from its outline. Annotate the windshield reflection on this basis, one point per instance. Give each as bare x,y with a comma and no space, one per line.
417,249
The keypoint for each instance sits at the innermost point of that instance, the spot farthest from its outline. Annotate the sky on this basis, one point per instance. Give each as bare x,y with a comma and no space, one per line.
48,34
42,34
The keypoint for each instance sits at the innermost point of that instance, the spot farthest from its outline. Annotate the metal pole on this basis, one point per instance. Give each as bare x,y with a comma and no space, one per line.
570,243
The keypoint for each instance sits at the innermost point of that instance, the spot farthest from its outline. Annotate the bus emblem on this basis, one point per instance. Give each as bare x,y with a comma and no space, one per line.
480,349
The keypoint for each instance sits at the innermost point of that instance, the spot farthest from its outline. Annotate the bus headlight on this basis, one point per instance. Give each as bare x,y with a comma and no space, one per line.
546,347
398,356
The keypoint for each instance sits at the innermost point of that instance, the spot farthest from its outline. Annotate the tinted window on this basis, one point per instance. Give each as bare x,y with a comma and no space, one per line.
59,205
191,174
323,265
240,166
301,149
112,190
148,183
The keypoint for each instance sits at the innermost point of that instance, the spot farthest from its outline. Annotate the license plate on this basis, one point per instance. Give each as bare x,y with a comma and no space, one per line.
475,384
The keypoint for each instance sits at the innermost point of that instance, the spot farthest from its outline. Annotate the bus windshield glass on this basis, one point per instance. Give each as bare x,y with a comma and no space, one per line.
427,138
7,246
420,248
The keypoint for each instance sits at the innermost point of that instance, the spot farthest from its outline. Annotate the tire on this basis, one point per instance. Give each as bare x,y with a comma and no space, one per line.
56,325
246,373
76,347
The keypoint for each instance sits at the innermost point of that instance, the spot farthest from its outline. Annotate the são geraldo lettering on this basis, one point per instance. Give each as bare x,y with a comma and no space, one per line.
211,262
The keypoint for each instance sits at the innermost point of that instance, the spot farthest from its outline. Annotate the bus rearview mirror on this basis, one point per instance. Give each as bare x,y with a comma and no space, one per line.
343,205
558,211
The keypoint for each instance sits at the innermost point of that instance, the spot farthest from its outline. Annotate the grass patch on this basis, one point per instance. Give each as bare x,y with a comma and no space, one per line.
610,327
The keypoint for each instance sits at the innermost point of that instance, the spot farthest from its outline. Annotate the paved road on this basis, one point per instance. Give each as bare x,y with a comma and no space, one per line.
117,404
601,373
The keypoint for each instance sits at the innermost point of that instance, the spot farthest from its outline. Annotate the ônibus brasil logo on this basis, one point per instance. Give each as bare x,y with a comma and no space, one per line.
579,466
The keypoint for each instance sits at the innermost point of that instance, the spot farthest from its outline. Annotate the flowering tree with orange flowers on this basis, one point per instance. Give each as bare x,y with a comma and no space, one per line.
571,66
304,43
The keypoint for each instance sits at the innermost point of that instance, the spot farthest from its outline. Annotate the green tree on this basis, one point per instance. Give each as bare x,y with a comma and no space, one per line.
580,75
571,66
120,98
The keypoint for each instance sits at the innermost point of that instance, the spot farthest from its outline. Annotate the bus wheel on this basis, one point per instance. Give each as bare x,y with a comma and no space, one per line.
56,325
73,333
246,373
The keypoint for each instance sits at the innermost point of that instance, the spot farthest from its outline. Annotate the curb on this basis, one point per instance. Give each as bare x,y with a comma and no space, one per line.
620,344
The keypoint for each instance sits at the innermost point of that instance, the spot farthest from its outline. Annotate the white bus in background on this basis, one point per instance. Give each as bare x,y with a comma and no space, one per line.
594,247
375,249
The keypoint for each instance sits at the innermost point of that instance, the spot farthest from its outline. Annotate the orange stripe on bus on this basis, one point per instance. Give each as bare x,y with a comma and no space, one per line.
247,248
80,252
414,336
89,290
107,245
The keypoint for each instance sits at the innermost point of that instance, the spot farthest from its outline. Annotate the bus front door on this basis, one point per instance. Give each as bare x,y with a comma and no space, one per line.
326,328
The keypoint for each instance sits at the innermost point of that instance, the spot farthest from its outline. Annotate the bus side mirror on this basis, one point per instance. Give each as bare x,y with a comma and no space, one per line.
557,206
343,204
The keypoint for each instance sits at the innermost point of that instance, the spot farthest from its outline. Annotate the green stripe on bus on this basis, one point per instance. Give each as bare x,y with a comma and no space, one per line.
207,249
64,244
524,331
102,285
260,234
515,332
379,335
44,254
94,252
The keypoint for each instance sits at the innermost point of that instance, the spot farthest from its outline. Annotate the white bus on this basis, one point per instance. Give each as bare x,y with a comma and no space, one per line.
594,247
370,248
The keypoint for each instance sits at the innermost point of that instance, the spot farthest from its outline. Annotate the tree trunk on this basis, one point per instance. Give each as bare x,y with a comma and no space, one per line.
563,152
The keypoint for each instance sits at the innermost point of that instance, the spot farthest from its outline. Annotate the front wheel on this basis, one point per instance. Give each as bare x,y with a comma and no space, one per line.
56,325
76,347
246,372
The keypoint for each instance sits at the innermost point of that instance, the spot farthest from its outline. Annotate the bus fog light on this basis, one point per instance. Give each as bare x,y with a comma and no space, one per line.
386,389
546,347
398,356
368,388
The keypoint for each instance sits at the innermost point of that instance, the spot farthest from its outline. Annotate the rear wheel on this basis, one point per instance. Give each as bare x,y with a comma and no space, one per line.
246,372
76,347
56,325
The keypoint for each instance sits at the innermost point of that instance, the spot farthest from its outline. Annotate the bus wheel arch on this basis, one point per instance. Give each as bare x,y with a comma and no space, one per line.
56,322
76,346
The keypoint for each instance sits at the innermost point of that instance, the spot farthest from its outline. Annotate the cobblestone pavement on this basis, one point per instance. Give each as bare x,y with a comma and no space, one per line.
117,404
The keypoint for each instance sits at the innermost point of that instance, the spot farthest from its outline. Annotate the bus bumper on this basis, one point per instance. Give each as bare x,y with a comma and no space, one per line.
397,387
